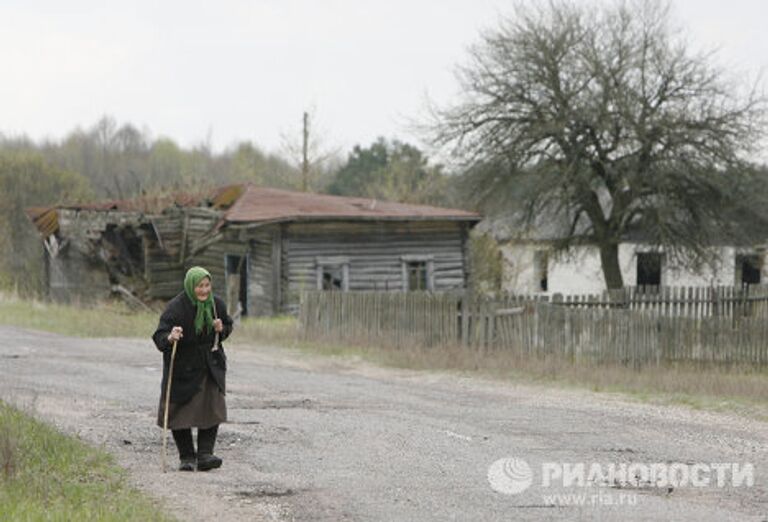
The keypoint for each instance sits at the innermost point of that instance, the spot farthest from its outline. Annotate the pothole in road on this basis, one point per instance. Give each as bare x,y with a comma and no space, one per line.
614,450
282,404
265,491
285,404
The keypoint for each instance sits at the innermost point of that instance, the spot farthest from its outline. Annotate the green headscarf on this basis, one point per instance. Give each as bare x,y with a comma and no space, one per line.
204,315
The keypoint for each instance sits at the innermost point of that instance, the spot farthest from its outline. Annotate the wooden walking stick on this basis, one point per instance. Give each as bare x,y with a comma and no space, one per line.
167,404
216,338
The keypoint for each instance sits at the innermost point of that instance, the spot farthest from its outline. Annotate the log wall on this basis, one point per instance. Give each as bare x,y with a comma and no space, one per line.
375,251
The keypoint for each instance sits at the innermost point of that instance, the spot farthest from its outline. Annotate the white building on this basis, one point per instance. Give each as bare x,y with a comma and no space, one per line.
533,266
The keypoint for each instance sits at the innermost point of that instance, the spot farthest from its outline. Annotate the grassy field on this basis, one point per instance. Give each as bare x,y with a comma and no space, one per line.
116,320
108,320
45,475
743,389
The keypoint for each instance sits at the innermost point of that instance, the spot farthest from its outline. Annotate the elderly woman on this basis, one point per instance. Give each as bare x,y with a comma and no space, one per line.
193,318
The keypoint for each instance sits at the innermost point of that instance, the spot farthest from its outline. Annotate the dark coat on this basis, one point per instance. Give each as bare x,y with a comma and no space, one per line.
193,352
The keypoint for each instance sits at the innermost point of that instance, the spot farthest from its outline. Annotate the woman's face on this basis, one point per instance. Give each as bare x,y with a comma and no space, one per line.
203,289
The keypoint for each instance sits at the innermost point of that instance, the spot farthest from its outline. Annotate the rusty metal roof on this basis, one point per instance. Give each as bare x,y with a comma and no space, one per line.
219,198
246,203
257,204
46,219
145,204
224,197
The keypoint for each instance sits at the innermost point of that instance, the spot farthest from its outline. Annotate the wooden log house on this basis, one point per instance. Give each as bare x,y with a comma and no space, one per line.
263,245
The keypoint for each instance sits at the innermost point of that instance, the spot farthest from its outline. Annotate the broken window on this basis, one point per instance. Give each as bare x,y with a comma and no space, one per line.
748,269
540,271
649,265
417,275
333,273
333,278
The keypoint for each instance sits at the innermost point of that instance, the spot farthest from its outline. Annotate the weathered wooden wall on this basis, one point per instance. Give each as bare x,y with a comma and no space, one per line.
263,290
257,245
162,243
375,251
175,242
213,258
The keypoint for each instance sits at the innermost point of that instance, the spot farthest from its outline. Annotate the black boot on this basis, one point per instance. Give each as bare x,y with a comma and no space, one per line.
186,447
205,441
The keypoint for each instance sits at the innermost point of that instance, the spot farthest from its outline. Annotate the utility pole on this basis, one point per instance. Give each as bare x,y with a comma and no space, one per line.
304,159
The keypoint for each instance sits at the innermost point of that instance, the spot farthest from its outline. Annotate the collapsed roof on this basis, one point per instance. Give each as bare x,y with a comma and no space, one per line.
247,203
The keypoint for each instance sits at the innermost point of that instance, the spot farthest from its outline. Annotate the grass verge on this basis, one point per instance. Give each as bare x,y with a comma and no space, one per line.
106,320
45,475
742,390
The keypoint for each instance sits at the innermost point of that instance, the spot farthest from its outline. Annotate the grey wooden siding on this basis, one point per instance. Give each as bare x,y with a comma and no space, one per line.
375,252
174,236
261,289
163,271
257,244
213,258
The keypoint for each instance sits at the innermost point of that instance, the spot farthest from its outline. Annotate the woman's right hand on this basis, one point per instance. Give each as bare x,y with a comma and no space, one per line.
176,334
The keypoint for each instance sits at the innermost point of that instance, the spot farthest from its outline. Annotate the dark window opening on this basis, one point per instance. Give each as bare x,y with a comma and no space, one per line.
333,273
649,269
333,278
541,270
418,275
237,284
748,269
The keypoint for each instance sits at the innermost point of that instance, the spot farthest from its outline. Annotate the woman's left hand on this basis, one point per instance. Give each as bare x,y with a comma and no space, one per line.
218,325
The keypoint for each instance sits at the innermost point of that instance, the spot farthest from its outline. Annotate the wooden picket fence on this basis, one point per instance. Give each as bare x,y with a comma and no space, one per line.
625,337
381,318
714,301
735,331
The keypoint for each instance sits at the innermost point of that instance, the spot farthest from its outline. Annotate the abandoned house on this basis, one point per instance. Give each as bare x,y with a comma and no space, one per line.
263,246
532,264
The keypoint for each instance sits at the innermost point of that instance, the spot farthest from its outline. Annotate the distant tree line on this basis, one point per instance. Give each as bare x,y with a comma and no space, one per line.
596,119
120,161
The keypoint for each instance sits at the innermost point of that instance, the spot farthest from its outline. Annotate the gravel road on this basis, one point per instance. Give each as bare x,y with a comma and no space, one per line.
315,438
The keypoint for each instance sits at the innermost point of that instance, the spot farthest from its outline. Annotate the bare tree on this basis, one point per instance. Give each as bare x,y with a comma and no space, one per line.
314,159
602,119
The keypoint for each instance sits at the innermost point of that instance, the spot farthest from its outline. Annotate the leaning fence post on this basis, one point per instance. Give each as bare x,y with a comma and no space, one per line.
465,319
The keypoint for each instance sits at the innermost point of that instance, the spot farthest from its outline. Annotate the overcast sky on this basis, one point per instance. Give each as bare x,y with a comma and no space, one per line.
239,70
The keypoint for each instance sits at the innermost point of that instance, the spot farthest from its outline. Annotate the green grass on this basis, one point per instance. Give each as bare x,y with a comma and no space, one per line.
280,330
107,320
116,320
47,476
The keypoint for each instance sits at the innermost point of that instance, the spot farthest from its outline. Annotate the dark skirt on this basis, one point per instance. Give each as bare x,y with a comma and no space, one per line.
205,409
